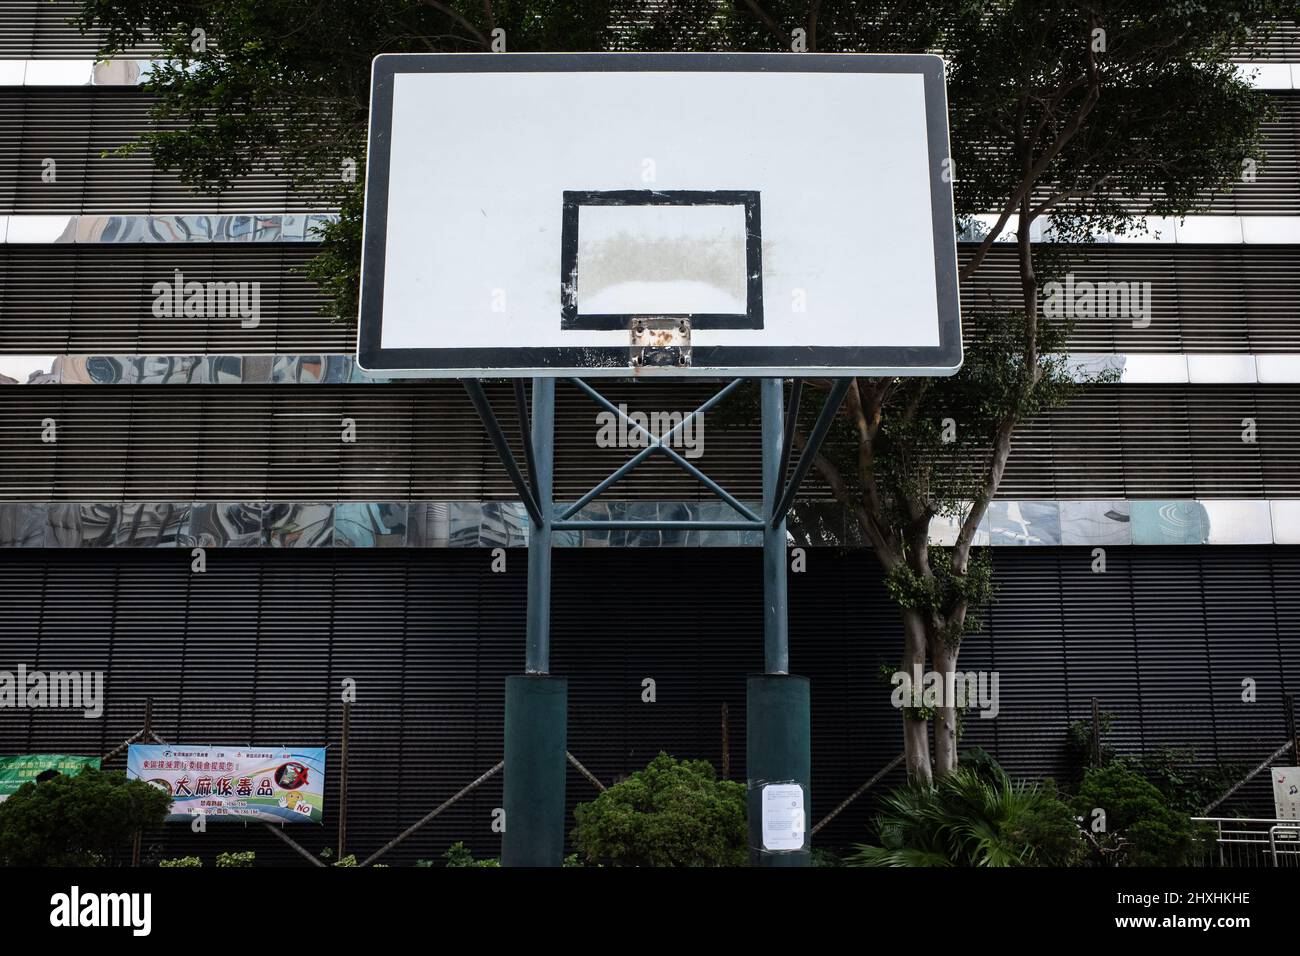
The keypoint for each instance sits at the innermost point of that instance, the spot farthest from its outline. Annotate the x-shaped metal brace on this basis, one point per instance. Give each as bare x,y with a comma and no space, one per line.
749,521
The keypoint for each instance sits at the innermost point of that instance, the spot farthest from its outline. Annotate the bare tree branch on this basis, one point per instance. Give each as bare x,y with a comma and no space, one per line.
773,27
449,12
813,13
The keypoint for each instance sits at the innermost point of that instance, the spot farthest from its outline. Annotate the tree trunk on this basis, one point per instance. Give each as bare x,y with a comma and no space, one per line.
945,720
916,733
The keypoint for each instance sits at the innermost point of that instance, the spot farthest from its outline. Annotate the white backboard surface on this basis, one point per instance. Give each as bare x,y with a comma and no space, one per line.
523,209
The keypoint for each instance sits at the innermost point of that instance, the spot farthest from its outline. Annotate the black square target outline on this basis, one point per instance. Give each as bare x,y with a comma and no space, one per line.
574,200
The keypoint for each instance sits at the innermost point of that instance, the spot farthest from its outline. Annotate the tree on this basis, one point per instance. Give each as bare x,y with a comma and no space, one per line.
244,85
84,820
1074,114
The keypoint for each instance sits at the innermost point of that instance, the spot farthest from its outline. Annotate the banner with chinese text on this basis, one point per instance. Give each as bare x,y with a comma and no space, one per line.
270,784
16,771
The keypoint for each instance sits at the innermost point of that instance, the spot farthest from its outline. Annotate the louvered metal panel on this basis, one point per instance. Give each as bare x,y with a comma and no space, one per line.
1275,189
79,299
40,29
276,443
98,299
1283,45
79,129
1161,441
1202,298
254,650
282,443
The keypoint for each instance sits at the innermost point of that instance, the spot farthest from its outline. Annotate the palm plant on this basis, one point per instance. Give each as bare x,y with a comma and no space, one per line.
972,817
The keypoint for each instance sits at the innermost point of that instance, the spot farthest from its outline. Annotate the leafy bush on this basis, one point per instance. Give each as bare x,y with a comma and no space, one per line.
181,861
247,858
1051,830
459,855
1079,739
82,820
672,813
1142,829
974,816
1185,785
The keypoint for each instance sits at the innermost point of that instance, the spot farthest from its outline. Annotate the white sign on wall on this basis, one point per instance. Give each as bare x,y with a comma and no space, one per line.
1286,792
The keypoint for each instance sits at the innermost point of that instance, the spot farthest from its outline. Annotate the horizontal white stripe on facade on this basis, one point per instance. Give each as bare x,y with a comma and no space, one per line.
339,368
295,227
1190,230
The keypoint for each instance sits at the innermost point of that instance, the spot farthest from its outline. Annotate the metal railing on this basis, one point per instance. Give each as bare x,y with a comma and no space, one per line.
1253,841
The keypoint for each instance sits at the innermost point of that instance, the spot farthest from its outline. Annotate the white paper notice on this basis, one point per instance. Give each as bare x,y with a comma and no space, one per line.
783,817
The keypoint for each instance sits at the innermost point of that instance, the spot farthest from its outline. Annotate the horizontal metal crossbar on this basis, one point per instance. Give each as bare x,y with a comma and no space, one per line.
656,525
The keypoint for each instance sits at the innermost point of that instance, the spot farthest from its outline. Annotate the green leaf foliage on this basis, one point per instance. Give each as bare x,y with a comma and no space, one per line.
974,816
672,813
458,855
1142,829
82,820
242,859
286,84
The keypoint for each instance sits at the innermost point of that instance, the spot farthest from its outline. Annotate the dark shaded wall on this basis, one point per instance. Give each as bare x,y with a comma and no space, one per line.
255,650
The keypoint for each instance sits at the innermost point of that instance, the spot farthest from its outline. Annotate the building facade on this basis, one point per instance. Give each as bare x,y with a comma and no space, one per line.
375,560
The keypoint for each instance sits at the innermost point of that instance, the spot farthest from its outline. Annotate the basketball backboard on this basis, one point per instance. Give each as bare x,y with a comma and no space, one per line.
685,213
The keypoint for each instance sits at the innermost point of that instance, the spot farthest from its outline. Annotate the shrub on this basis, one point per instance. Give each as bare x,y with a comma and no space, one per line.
1049,828
82,820
459,855
1079,739
1184,784
1141,828
974,816
181,861
247,858
672,813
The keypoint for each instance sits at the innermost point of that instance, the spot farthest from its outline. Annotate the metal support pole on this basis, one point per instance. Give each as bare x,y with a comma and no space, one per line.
536,732
345,734
1096,732
1293,729
538,659
778,741
776,652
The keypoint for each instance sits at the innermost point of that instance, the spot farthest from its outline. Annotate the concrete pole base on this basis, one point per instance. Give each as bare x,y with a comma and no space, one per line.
537,711
779,759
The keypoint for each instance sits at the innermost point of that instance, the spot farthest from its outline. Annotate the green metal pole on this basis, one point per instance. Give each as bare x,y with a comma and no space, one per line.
538,654
537,703
778,762
536,722
778,717
776,650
